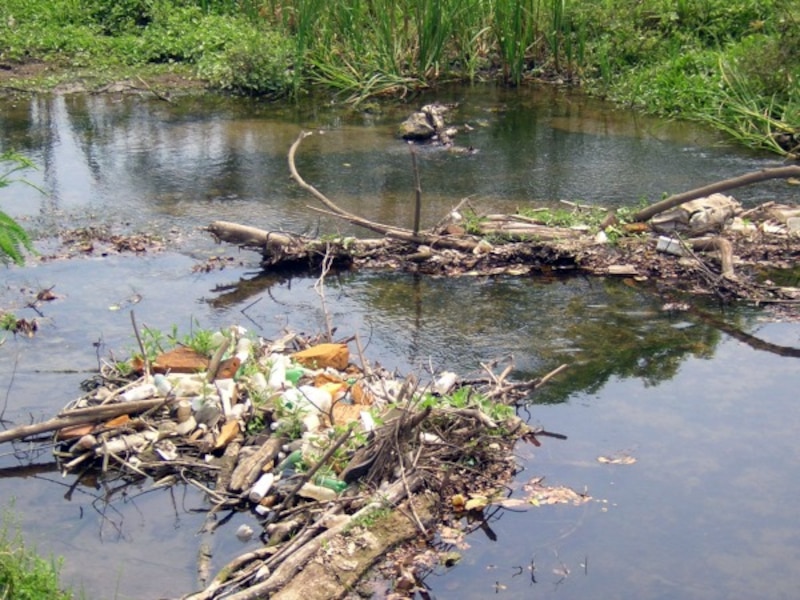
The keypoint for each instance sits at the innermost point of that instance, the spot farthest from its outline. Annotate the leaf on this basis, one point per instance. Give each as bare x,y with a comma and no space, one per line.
477,503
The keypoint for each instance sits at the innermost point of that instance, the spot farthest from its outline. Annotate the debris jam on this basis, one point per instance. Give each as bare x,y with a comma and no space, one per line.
338,463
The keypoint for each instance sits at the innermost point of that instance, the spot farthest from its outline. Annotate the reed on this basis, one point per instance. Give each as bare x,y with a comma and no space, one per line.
512,24
750,117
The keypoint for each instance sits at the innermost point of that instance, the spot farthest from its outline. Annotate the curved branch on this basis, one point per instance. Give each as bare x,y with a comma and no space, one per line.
398,233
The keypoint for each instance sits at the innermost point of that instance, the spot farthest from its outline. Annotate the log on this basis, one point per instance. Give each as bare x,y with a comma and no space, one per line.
80,416
334,576
720,186
300,558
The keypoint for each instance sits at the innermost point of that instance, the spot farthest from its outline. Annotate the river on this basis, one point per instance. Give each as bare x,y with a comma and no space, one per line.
707,510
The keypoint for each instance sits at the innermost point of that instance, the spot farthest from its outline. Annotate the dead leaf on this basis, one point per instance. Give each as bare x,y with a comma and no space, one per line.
622,459
477,503
539,494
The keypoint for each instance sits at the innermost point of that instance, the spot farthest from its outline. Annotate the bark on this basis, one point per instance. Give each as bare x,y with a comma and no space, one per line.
720,186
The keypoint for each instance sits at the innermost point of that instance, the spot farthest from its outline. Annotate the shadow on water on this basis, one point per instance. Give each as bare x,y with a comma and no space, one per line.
704,400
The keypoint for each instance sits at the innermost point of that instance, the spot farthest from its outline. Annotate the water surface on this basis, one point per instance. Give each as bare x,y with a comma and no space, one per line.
705,512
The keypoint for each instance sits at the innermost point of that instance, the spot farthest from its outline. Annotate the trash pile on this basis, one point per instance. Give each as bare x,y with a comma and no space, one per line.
294,431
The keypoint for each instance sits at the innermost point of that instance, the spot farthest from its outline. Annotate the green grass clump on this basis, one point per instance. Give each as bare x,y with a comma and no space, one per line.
24,575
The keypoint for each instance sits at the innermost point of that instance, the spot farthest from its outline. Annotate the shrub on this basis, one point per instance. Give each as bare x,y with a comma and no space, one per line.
257,64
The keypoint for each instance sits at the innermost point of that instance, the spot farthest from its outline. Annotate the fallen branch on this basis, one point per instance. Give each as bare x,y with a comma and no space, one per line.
720,186
398,233
80,416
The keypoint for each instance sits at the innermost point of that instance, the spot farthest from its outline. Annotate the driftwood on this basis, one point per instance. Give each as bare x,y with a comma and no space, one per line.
80,416
720,186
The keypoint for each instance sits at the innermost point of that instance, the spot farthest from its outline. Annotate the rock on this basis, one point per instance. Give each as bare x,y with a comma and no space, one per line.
426,124
416,128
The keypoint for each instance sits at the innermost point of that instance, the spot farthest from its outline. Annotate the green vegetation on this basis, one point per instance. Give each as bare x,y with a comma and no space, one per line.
732,63
13,237
467,397
24,575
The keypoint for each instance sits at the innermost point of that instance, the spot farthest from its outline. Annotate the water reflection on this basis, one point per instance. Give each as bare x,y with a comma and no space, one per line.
154,165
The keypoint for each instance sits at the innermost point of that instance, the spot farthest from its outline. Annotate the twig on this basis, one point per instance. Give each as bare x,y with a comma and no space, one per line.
319,287
213,366
417,190
8,389
145,360
365,366
542,380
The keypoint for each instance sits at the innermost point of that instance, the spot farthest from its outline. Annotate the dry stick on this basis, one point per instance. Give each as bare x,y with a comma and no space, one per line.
8,389
417,190
145,360
365,366
79,416
720,186
319,287
213,366
549,376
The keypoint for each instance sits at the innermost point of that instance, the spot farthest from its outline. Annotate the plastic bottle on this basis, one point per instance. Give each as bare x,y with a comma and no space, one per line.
261,487
316,492
243,349
277,371
142,392
337,485
294,374
291,461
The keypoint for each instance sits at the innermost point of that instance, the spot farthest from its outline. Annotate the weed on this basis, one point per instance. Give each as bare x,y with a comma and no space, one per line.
24,575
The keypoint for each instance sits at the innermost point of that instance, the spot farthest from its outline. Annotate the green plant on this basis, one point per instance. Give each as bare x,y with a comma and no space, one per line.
13,238
472,222
24,575
370,518
8,321
467,397
257,62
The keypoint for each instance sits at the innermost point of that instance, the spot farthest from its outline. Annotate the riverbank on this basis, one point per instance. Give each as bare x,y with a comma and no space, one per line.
731,65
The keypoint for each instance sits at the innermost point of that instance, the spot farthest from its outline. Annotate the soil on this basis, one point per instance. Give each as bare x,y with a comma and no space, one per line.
35,76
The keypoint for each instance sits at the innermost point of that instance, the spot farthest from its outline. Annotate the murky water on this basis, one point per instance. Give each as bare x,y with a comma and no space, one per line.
707,510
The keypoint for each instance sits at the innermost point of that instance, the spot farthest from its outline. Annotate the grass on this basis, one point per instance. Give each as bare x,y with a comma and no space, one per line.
731,63
25,575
